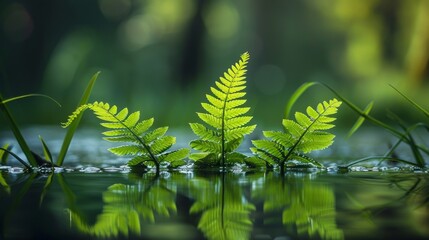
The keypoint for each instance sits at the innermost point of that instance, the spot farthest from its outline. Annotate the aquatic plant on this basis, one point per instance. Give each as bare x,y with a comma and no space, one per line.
17,132
404,135
33,158
307,133
147,148
225,119
4,153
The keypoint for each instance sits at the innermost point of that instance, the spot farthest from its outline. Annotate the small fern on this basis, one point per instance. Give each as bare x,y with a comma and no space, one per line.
306,134
147,148
225,119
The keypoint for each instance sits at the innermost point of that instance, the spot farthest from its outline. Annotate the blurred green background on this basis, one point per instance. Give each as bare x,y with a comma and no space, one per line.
161,56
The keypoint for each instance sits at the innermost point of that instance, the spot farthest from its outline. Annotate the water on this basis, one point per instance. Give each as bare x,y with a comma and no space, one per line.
95,196
213,205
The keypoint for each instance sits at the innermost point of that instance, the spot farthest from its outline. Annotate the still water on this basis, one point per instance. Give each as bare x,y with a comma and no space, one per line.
95,196
114,203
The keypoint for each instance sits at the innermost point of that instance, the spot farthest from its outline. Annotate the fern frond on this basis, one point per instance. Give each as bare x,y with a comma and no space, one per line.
146,147
304,134
225,119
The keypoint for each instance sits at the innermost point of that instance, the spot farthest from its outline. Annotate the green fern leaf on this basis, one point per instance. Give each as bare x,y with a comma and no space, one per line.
162,144
147,148
226,123
206,146
157,133
307,133
126,150
205,133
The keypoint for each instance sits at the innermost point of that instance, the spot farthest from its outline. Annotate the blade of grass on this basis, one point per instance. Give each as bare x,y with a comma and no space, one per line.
360,120
46,152
364,115
30,95
72,128
417,106
411,142
18,158
19,138
408,131
14,126
296,95
380,158
4,154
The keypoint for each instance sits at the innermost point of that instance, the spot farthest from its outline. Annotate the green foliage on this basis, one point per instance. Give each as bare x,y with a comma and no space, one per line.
17,132
404,136
127,207
72,129
225,214
33,158
306,134
147,148
225,118
306,205
4,154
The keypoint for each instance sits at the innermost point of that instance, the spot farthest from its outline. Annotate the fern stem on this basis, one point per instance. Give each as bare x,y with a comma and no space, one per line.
234,77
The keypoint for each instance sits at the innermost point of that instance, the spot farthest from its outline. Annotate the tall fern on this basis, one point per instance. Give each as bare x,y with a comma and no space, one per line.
225,119
147,148
306,134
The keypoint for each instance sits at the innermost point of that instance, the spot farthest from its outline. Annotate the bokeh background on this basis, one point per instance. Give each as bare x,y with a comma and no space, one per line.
161,56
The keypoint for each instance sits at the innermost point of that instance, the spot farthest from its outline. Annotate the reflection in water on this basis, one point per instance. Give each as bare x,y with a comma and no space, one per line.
396,199
213,206
305,204
225,210
126,206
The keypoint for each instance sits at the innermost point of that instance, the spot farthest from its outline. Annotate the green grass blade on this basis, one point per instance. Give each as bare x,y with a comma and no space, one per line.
364,115
46,152
17,158
295,97
410,139
4,154
417,154
18,135
417,106
361,119
383,158
30,95
72,128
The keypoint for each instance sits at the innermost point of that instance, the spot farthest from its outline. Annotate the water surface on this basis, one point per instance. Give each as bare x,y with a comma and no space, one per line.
95,196
213,205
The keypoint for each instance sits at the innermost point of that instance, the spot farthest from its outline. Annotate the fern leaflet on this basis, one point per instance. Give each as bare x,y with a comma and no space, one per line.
147,148
225,118
307,133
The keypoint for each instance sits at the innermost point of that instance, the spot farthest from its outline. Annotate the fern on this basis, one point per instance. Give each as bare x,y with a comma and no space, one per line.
225,119
147,148
306,134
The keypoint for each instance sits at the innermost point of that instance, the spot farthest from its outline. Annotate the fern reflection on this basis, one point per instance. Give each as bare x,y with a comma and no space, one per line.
127,207
225,212
306,206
